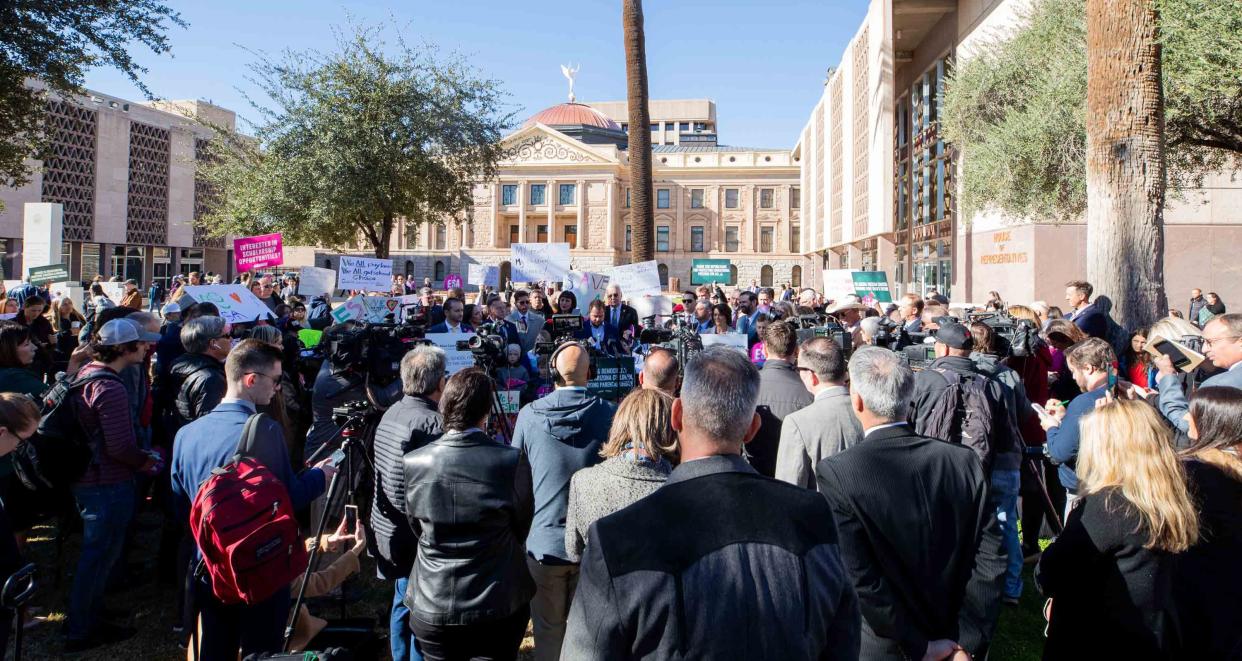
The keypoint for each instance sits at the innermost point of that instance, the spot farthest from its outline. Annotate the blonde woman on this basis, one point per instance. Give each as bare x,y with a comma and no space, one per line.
637,461
1109,575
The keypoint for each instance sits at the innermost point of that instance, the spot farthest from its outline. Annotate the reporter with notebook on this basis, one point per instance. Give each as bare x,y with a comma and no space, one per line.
1222,344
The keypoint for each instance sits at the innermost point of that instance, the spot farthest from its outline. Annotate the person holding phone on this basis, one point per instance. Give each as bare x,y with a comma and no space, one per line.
1222,344
1091,364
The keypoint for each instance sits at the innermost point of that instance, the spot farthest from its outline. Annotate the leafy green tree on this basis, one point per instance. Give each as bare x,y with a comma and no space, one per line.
55,42
1017,109
357,140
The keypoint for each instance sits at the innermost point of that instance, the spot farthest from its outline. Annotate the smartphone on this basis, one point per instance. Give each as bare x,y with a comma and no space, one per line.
1175,355
1043,415
337,458
351,518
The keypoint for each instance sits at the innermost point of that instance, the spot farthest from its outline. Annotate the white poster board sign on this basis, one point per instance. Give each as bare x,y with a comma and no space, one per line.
456,360
733,340
482,275
586,287
661,306
534,262
377,309
71,289
235,302
349,310
313,281
116,291
364,273
838,283
636,280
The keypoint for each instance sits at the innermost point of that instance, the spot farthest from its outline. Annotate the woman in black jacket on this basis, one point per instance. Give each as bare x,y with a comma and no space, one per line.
18,419
469,501
1110,573
1209,575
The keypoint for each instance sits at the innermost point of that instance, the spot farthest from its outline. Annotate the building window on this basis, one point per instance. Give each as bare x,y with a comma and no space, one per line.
439,273
730,198
655,127
696,198
513,234
684,126
795,238
508,194
409,268
731,242
765,198
537,192
567,194
696,239
541,233
441,238
795,277
662,238
765,239
795,198
700,126
571,235
765,276
662,198
732,275
629,238
627,198
662,269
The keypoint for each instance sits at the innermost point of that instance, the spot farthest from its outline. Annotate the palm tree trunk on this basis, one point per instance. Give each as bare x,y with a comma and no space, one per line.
642,215
1125,159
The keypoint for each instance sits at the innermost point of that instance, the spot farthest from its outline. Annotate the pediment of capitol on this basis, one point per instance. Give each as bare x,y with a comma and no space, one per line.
538,144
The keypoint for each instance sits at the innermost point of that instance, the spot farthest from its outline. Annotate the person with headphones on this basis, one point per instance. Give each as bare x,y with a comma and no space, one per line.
559,435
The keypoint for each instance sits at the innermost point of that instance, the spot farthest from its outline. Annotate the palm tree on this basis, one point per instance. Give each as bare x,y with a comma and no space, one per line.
1125,159
642,215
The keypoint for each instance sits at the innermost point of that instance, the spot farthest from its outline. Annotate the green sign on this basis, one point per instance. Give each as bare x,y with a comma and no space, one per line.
709,271
42,275
873,284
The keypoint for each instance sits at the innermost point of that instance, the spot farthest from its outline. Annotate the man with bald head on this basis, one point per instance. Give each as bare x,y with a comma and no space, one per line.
559,435
660,372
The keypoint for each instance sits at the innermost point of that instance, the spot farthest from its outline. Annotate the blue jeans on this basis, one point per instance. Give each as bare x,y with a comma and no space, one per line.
106,511
400,637
1005,484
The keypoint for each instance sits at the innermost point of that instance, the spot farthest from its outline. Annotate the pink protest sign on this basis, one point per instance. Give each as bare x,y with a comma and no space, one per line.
452,281
257,252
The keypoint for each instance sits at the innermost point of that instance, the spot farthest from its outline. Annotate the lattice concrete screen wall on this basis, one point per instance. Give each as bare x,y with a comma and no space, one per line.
204,199
69,167
147,214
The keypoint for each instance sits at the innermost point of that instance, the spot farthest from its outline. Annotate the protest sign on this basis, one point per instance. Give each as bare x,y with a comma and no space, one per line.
313,281
258,252
481,275
41,275
535,262
116,291
349,310
636,280
586,287
614,377
732,340
452,281
377,309
711,271
839,283
235,302
364,273
646,306
456,360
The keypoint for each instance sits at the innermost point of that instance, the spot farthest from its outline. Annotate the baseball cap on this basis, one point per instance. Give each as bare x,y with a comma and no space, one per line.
171,308
120,331
954,335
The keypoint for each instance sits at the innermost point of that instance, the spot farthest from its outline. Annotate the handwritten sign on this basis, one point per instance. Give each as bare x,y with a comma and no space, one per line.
534,262
313,281
586,287
258,252
350,310
364,273
732,340
377,309
235,302
636,280
457,360
482,275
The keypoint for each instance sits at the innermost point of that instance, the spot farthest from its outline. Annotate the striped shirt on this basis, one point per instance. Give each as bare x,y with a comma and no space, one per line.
105,414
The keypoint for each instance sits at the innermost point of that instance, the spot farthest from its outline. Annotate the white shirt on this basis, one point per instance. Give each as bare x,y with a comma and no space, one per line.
883,426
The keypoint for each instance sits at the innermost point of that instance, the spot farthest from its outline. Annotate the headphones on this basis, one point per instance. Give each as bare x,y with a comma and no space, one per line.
557,378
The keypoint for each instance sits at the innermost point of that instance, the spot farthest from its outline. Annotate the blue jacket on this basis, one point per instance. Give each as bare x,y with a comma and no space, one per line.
442,327
610,343
560,435
1063,441
208,442
1173,405
1092,321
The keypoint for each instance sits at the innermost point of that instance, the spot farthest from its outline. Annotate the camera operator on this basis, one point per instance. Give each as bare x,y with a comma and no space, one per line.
598,333
336,384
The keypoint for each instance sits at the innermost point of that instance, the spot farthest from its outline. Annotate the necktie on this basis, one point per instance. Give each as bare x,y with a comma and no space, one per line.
616,313
523,323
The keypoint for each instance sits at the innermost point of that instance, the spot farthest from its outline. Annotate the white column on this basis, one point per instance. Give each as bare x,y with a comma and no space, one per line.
581,192
553,198
523,196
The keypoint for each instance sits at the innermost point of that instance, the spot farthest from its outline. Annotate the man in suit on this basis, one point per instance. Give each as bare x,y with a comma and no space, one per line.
1089,318
825,427
496,310
454,313
528,323
253,373
911,311
618,314
909,510
781,393
597,332
701,567
1222,344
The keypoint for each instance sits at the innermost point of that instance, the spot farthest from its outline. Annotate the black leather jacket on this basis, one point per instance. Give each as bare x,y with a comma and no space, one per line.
470,504
407,425
198,380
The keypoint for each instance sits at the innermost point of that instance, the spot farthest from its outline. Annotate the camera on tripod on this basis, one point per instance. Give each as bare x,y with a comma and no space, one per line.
487,346
373,349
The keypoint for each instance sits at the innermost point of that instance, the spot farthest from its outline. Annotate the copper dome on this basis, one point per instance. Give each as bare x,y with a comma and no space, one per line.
572,114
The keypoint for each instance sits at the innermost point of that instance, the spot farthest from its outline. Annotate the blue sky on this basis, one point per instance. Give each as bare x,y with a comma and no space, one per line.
762,62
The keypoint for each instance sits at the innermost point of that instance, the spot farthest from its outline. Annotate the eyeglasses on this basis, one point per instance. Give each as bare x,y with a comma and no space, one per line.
1211,341
275,379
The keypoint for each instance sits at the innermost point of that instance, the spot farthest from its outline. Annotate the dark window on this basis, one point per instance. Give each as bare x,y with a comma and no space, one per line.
541,233
765,276
696,239
537,192
684,126
662,238
662,198
795,238
439,274
567,194
731,242
629,238
730,198
696,198
795,198
571,235
765,198
795,278
508,194
655,126
441,238
662,269
765,239
627,198
513,234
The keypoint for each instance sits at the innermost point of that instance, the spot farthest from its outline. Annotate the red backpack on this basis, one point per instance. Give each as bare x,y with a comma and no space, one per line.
243,523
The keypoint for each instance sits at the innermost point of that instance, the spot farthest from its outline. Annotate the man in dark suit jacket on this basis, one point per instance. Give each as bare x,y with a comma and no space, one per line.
781,392
701,568
1087,316
909,511
618,314
496,316
599,333
454,313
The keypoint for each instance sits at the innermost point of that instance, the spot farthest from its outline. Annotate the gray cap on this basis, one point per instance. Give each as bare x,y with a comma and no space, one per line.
120,331
172,308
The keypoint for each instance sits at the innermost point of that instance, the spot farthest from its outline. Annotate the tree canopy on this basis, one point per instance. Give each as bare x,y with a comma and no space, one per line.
1017,109
56,42
354,141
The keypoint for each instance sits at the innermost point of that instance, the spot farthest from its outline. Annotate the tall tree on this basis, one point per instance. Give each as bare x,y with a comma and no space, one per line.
642,214
359,140
54,42
1125,159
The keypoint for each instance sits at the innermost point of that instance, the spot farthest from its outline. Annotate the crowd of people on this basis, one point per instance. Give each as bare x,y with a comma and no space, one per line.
787,496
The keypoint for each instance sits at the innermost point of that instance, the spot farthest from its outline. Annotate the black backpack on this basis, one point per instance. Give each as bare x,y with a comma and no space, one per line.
59,453
961,413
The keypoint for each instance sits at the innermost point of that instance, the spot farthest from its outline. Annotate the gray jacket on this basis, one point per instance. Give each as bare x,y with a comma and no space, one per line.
605,488
781,393
820,430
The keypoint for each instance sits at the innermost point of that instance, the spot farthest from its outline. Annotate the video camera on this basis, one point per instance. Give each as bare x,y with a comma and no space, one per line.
1014,337
373,349
487,345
